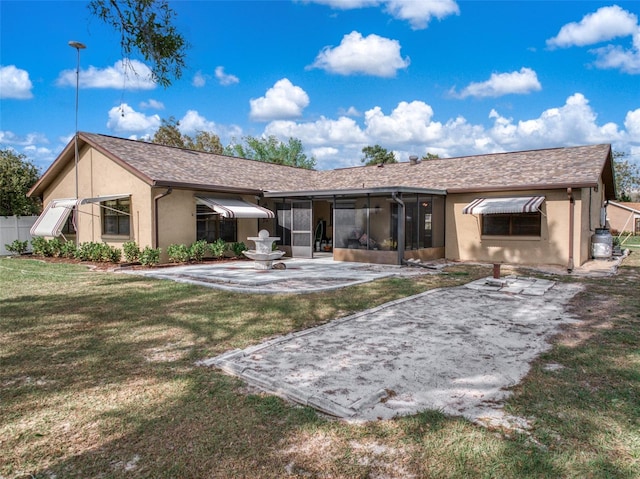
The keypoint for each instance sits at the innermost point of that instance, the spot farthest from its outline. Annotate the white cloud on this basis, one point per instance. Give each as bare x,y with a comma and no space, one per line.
408,122
411,128
632,124
371,55
225,79
519,82
323,132
417,12
603,25
193,122
15,83
123,118
199,80
282,100
614,56
130,75
152,104
420,13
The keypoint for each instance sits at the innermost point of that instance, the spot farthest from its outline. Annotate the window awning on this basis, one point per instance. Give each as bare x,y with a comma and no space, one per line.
234,208
100,199
53,218
494,206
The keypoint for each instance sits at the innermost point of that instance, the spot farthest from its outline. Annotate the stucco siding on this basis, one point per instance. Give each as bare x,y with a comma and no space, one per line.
464,241
100,176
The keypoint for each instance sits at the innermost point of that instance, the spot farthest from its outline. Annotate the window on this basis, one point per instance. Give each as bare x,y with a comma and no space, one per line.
517,224
210,226
116,217
69,228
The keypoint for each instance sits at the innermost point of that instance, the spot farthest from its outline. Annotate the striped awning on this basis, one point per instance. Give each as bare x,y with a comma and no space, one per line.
53,218
494,206
234,207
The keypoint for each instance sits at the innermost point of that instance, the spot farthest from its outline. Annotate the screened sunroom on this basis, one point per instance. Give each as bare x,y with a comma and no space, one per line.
376,225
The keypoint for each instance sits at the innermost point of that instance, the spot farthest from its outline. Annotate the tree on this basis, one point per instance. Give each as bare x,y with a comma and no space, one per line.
169,134
146,26
17,176
376,155
204,141
627,176
430,156
272,150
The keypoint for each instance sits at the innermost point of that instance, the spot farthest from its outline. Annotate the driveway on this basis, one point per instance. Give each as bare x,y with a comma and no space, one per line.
456,350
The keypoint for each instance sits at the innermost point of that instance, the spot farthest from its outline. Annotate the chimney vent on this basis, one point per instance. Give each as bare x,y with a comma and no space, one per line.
413,160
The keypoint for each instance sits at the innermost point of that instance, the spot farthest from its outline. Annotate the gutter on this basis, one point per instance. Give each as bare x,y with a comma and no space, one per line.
401,213
155,211
572,206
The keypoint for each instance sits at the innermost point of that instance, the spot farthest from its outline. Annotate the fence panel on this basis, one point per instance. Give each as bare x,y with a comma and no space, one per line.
15,228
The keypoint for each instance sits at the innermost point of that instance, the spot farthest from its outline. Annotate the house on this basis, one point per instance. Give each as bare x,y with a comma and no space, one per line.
526,207
623,217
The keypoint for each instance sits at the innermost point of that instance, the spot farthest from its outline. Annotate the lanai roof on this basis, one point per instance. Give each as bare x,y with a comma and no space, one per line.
160,165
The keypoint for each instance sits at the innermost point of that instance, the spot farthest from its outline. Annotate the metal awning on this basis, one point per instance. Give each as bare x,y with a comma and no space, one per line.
53,218
234,208
494,206
100,199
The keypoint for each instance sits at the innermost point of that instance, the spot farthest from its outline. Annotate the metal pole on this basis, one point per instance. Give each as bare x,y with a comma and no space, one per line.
78,46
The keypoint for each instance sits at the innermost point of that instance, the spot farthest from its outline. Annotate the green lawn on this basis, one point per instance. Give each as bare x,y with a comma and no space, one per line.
97,380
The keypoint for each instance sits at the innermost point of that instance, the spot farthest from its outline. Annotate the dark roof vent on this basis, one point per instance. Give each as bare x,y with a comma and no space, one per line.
413,160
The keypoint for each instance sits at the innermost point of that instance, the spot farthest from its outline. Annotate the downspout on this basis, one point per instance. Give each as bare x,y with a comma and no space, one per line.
155,205
401,214
572,204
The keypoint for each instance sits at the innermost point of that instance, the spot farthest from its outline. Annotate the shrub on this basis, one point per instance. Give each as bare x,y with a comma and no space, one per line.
178,253
238,248
197,250
68,249
17,246
40,246
150,256
131,251
218,247
55,246
99,252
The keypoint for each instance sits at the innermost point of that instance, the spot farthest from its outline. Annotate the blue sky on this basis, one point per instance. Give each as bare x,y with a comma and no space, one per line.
445,77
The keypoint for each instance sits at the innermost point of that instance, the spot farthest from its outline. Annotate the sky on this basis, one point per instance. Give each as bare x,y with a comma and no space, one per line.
452,78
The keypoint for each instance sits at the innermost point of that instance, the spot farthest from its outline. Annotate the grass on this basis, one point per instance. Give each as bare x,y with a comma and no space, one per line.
97,379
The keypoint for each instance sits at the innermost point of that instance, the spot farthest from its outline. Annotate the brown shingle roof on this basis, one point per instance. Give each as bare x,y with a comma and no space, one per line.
161,165
535,169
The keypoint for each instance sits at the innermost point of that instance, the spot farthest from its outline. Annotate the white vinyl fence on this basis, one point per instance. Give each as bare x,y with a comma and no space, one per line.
15,228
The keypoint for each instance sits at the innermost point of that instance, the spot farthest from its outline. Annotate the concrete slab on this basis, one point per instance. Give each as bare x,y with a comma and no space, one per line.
300,275
456,350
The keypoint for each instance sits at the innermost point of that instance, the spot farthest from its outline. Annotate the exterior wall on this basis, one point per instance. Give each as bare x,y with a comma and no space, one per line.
621,219
592,201
465,243
100,176
177,219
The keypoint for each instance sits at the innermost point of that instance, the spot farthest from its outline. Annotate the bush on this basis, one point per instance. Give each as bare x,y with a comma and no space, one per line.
178,253
55,246
131,251
218,247
98,252
150,256
68,250
238,248
197,250
17,246
40,246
